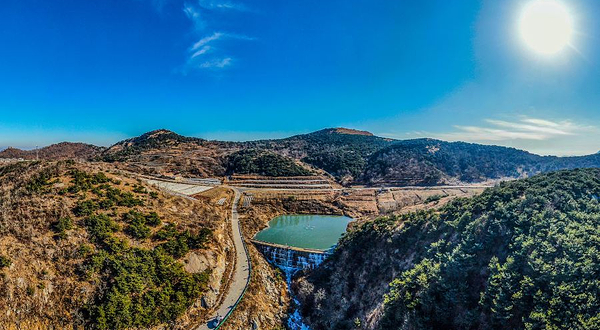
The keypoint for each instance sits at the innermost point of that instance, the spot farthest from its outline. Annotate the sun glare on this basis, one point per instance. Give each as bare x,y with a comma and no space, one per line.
546,26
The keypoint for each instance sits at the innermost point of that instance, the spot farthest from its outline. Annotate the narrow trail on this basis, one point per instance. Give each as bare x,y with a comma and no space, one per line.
241,276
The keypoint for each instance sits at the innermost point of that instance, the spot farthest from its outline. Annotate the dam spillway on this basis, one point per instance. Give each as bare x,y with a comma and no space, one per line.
297,242
300,241
291,259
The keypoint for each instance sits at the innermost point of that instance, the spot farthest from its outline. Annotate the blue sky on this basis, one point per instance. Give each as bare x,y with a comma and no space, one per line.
101,71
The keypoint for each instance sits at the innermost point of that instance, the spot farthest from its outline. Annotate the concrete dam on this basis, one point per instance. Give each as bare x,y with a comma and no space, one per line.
291,259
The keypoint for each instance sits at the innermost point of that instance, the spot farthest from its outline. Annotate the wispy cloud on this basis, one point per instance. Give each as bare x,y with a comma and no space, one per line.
194,14
210,51
537,126
201,51
206,40
223,5
541,136
206,53
525,128
216,63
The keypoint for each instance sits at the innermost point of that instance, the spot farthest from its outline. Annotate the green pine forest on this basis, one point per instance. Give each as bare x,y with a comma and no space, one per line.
522,255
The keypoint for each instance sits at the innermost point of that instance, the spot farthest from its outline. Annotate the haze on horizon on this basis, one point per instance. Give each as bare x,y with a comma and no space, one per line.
100,72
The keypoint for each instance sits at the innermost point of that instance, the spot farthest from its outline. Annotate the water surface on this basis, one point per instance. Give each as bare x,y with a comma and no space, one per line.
318,232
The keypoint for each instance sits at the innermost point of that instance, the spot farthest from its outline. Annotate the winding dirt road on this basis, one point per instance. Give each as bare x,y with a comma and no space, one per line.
241,276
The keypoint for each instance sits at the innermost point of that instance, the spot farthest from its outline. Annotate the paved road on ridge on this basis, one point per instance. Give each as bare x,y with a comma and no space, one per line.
241,273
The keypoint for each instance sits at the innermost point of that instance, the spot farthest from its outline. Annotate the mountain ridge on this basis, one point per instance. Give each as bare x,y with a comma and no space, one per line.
351,157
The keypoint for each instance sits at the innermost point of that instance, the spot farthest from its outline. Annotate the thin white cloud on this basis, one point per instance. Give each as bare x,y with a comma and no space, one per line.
206,40
204,54
209,51
473,134
540,122
194,14
544,128
216,63
524,129
223,5
201,51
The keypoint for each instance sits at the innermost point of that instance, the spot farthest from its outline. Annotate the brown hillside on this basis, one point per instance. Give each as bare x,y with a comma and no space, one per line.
342,130
76,238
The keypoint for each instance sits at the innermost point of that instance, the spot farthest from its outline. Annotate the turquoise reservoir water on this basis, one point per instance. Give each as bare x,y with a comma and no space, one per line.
318,232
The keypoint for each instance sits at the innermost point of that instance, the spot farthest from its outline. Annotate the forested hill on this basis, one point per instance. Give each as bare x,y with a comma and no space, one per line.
341,152
431,162
522,255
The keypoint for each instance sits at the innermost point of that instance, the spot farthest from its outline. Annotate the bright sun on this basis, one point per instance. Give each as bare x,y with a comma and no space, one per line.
546,26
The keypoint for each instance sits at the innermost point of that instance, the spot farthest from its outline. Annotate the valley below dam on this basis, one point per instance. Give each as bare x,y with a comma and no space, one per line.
300,242
295,229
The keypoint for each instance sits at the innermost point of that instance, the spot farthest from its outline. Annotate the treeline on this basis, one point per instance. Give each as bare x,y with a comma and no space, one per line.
263,163
342,155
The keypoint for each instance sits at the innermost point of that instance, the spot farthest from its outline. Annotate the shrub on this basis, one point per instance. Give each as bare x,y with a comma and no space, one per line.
166,232
40,182
127,199
83,181
433,198
181,243
139,189
30,290
147,287
85,250
138,223
119,198
100,226
138,229
106,204
4,262
61,226
152,219
85,208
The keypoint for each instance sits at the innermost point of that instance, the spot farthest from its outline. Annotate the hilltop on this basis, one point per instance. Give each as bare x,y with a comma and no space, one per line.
350,131
158,139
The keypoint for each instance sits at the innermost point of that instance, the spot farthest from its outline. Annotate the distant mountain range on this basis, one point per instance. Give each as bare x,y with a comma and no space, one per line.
63,150
349,156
